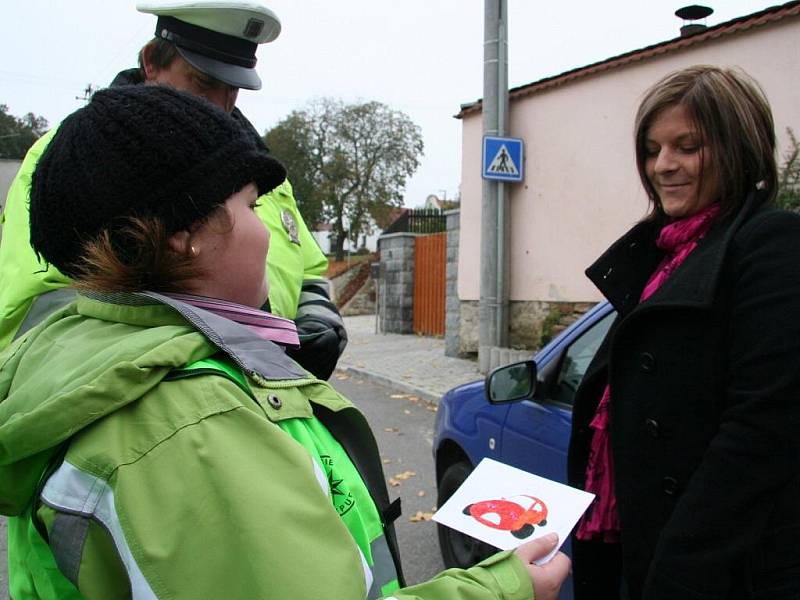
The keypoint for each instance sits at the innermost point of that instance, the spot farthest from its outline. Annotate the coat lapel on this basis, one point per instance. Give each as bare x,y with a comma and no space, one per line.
623,270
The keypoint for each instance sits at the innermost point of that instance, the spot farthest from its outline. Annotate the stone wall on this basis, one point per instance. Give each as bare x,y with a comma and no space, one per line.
340,282
528,322
396,298
363,303
452,326
468,327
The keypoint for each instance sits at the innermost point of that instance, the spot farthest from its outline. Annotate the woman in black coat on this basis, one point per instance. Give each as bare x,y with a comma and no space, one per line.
687,423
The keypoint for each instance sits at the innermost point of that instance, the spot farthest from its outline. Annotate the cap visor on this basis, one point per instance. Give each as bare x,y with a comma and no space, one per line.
233,75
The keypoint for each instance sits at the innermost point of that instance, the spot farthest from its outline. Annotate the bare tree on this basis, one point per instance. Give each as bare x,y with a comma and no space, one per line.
357,160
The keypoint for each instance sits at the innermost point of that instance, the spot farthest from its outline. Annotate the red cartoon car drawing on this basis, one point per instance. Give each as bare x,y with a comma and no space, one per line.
518,515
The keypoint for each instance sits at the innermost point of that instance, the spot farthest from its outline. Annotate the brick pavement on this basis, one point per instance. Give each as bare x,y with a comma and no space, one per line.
411,363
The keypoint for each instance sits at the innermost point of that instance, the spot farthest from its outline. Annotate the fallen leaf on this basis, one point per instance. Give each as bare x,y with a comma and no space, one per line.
391,429
406,412
393,482
414,398
342,376
431,407
420,516
398,396
386,461
405,475
421,493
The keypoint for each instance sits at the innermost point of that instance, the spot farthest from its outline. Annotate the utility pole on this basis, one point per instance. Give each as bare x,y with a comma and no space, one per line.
494,284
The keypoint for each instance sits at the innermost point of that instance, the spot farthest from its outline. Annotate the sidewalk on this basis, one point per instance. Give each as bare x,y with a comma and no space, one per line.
410,363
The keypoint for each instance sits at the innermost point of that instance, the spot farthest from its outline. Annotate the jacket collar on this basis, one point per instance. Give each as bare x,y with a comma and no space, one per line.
622,271
256,356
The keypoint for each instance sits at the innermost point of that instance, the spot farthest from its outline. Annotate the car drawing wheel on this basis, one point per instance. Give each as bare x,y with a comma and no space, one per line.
458,549
523,531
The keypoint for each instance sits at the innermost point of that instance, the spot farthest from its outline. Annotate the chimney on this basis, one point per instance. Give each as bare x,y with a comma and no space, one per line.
691,13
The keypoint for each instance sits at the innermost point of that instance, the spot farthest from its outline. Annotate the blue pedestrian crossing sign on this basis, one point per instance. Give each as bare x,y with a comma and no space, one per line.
502,158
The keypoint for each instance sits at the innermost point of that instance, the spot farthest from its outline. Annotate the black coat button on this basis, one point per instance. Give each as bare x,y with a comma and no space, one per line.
669,485
652,428
647,362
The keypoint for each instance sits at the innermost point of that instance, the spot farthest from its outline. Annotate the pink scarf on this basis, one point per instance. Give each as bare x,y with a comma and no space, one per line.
601,521
266,325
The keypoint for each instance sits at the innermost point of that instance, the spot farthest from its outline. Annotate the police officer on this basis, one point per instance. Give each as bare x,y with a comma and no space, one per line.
208,49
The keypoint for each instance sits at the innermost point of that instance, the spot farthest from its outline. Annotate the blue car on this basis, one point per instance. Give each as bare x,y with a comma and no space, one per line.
520,415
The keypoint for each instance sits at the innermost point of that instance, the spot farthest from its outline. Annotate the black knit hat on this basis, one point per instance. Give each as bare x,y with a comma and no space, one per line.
139,151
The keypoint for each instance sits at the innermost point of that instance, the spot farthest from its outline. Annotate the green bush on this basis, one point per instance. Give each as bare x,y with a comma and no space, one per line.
789,176
552,319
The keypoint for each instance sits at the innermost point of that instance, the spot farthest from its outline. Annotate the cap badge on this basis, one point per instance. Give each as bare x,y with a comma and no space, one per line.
290,225
253,28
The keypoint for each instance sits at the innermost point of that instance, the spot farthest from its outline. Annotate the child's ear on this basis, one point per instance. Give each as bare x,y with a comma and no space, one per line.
181,243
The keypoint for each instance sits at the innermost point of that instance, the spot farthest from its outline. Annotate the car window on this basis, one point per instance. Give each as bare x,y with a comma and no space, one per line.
577,358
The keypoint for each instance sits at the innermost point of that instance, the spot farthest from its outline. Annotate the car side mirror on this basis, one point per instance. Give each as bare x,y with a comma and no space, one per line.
511,382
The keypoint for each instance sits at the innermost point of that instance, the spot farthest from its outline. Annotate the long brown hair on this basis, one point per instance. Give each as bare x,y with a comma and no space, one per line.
732,114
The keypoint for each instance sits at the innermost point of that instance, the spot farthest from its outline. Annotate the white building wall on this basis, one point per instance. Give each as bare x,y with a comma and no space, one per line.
581,188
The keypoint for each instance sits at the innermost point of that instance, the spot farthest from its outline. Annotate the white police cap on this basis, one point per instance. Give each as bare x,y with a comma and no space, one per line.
218,38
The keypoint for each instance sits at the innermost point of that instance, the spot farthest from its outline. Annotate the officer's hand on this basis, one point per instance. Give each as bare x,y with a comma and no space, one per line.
546,578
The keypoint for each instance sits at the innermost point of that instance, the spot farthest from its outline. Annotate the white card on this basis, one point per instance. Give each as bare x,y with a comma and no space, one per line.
506,507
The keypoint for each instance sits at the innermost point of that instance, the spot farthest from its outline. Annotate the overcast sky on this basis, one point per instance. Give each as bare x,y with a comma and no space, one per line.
423,57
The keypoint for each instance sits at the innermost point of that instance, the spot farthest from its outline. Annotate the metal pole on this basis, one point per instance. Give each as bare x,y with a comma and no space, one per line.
493,204
503,214
487,323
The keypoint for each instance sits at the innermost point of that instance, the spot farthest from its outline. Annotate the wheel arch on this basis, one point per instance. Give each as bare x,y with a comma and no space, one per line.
449,453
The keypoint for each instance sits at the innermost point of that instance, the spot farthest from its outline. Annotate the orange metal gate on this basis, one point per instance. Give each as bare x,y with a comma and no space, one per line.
430,277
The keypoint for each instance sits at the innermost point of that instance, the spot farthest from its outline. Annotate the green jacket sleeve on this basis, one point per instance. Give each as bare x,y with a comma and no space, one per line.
294,254
297,287
22,276
502,576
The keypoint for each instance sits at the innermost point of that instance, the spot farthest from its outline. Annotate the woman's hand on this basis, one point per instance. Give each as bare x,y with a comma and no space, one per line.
546,578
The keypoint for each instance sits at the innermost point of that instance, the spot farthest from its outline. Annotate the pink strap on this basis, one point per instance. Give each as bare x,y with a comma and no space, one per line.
266,325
